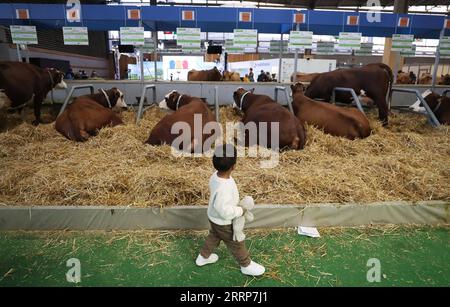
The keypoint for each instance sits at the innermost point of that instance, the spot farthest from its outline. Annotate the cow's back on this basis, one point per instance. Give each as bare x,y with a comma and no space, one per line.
161,133
19,81
84,117
291,132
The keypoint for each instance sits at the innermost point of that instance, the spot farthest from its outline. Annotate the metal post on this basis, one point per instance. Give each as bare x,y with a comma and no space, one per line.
281,56
155,52
19,58
216,102
297,28
141,58
436,61
27,55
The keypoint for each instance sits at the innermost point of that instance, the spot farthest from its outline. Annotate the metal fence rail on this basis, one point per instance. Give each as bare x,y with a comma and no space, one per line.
431,117
288,100
352,92
69,96
142,99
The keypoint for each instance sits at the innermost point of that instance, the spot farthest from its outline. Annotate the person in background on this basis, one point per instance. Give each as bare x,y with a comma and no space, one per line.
269,78
69,74
94,74
262,77
251,76
246,78
413,77
84,75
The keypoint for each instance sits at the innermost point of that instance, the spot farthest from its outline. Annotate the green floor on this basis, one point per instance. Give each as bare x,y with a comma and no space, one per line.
409,256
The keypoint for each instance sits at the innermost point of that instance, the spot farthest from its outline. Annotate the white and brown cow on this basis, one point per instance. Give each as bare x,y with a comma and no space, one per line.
263,109
23,83
191,111
88,114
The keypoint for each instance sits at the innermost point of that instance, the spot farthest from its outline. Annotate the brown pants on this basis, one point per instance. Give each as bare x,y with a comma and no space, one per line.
224,233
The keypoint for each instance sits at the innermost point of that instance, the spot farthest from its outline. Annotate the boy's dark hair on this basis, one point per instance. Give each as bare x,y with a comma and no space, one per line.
225,157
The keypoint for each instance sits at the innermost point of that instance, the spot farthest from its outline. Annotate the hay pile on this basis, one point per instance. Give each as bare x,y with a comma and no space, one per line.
408,161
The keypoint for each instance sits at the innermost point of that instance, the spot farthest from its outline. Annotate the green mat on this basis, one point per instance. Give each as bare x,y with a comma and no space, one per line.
408,256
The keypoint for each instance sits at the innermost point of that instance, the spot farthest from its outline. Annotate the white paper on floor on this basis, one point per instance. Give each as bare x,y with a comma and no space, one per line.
308,231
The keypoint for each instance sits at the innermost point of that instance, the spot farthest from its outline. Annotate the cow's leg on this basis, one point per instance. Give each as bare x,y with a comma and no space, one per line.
37,109
82,136
381,103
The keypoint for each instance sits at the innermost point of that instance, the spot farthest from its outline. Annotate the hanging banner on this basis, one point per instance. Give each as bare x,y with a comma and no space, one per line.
189,37
444,47
188,49
275,46
75,36
350,40
245,38
132,36
409,53
300,39
366,49
325,47
25,35
402,42
149,45
230,48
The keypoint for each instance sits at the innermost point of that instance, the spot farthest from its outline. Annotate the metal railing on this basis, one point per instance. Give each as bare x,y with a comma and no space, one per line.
216,103
69,96
431,117
288,101
142,99
352,92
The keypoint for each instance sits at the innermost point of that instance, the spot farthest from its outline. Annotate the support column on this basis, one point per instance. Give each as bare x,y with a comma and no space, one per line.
297,27
393,58
280,60
155,53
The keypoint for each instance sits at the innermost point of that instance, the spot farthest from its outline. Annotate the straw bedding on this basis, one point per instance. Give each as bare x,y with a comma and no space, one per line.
407,161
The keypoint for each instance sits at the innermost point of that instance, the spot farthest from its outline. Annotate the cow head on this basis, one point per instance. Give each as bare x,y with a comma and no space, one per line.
116,98
215,75
297,88
226,75
172,100
432,100
238,95
57,78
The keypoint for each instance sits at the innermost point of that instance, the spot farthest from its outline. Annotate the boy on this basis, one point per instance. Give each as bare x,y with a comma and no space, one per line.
222,209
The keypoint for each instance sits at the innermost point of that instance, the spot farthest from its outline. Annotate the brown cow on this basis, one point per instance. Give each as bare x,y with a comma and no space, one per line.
444,80
338,121
191,111
375,79
404,78
89,113
205,75
23,83
263,109
302,77
231,76
426,78
440,105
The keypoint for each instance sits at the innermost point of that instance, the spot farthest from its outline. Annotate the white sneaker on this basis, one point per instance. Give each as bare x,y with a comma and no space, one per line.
200,261
253,269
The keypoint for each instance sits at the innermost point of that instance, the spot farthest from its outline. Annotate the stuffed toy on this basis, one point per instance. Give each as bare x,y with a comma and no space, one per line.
246,203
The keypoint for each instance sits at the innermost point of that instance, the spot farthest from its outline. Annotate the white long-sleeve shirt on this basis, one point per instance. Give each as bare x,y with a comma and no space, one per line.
223,200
